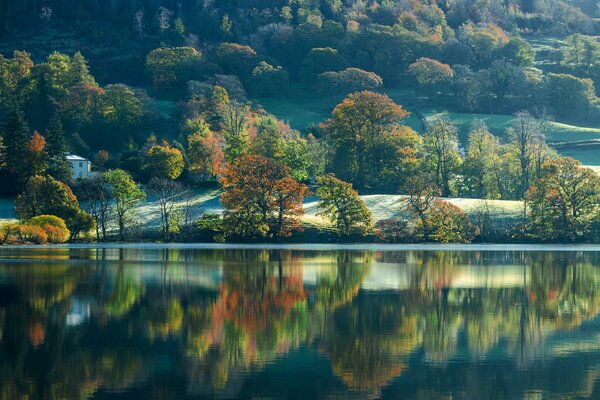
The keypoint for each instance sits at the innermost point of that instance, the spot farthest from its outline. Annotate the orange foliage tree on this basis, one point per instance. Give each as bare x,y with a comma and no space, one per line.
261,198
205,154
34,160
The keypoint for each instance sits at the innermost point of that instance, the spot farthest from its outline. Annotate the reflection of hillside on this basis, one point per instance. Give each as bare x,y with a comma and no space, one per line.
217,318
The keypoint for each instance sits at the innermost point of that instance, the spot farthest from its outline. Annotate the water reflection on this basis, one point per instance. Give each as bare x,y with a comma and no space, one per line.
125,323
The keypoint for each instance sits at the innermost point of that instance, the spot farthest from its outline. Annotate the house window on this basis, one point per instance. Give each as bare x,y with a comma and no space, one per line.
80,164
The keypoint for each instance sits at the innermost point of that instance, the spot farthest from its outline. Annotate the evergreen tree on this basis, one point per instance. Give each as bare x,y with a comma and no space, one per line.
56,147
16,136
80,71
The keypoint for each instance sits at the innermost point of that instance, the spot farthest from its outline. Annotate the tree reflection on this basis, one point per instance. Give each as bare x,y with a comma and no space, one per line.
69,330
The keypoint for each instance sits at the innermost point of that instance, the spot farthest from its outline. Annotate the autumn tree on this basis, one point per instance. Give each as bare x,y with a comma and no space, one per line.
339,202
564,201
164,161
441,151
356,126
126,195
431,74
205,154
34,160
449,224
261,199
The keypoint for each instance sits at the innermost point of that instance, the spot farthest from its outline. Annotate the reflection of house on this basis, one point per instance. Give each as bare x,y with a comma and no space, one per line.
81,167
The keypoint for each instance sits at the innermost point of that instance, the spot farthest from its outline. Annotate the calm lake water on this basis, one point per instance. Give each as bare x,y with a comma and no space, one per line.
300,324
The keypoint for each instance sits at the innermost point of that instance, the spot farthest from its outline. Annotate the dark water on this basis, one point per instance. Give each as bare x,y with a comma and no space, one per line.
298,324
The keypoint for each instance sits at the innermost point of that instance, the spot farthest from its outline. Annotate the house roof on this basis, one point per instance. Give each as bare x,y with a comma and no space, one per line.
73,157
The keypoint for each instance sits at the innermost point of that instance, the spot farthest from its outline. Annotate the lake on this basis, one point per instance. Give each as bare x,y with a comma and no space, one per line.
319,322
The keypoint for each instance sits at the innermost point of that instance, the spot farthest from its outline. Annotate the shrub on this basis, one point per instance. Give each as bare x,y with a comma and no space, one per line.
210,226
8,231
32,234
55,227
449,224
393,231
55,234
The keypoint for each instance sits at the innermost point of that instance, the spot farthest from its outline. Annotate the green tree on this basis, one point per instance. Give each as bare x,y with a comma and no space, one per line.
44,195
95,195
356,125
236,59
564,201
570,96
80,72
126,195
527,143
121,107
16,135
267,80
235,130
268,141
319,60
339,202
165,191
441,151
170,66
56,148
518,52
164,161
481,161
16,83
430,74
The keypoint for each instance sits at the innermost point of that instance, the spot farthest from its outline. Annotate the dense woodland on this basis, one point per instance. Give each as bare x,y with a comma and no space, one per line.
163,98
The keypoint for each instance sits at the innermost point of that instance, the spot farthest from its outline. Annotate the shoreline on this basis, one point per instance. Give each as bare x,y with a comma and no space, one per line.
317,247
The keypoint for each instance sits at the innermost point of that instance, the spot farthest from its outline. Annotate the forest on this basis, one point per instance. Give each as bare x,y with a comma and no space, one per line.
274,104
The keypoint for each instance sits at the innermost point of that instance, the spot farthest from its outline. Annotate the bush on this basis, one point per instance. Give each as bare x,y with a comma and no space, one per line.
33,234
8,231
55,227
210,227
393,231
55,234
449,224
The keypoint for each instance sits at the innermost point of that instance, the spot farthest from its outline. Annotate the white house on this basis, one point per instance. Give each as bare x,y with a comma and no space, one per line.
81,167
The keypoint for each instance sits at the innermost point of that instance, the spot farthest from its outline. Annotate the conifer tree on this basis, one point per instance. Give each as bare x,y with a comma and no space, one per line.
56,147
16,136
80,71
